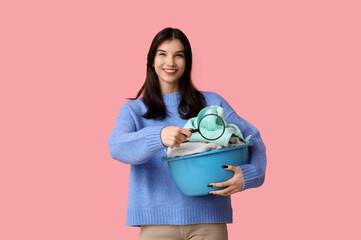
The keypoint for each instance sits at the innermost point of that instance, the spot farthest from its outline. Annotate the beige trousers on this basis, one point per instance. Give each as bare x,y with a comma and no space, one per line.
208,231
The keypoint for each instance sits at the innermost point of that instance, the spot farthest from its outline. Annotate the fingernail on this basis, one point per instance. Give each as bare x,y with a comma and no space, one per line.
210,185
224,166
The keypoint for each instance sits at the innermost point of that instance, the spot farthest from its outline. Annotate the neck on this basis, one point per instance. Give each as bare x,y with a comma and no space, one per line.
169,88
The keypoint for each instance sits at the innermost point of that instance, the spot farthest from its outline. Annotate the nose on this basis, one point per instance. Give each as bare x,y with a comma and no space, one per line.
170,61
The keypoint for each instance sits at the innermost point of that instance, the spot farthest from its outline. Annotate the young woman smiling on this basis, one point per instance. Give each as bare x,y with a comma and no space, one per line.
147,124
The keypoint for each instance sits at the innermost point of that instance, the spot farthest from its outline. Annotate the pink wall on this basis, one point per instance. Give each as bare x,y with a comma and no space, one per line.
292,68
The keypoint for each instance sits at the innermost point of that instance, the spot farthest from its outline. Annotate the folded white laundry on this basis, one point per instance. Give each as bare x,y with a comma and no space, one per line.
188,148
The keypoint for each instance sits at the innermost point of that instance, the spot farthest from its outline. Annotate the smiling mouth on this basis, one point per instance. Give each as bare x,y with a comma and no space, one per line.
170,70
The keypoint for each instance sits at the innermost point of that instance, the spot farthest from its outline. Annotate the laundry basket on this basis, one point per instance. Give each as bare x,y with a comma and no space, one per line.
192,173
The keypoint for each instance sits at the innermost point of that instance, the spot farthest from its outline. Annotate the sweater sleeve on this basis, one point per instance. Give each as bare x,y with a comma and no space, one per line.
130,146
254,172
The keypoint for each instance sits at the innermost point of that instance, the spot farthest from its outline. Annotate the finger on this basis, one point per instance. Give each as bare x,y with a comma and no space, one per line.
221,184
231,168
178,140
175,142
182,137
224,192
231,181
186,132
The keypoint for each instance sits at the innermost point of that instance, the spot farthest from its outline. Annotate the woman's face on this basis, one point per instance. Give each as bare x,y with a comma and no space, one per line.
169,64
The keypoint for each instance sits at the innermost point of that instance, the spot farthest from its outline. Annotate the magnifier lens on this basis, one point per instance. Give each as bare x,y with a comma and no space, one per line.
211,127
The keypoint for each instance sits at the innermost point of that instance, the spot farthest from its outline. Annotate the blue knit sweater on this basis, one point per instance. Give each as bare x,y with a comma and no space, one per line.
154,198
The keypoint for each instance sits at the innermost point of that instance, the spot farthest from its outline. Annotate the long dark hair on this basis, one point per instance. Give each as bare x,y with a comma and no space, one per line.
192,100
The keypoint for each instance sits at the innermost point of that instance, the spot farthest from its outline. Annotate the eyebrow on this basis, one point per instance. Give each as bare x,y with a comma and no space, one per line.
160,50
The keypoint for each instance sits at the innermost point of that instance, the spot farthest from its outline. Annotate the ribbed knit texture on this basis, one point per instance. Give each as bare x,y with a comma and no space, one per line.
153,196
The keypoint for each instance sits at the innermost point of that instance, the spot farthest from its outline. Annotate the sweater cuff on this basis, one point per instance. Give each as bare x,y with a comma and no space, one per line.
153,139
251,176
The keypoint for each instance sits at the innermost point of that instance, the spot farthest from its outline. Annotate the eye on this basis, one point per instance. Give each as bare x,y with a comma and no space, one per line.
180,55
162,54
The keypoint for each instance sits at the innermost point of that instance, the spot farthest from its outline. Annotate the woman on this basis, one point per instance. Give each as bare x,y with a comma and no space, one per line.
146,125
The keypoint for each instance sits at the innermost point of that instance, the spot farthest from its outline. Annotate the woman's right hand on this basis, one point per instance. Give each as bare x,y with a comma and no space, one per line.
174,136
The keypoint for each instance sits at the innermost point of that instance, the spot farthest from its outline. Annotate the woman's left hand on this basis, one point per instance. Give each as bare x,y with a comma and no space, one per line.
233,185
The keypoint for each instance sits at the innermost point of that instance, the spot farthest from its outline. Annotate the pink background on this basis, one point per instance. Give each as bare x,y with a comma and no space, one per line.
292,68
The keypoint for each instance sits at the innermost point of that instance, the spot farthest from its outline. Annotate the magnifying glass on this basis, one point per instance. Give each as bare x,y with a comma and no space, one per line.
210,127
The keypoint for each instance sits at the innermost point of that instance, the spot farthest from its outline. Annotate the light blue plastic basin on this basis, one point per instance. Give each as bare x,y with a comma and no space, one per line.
193,173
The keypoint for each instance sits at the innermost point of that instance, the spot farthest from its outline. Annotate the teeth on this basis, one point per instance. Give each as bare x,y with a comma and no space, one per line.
169,70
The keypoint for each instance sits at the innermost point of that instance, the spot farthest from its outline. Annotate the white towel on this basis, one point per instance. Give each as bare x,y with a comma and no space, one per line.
188,148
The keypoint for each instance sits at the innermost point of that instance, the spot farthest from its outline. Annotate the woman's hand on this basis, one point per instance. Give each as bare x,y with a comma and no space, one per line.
174,136
233,185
